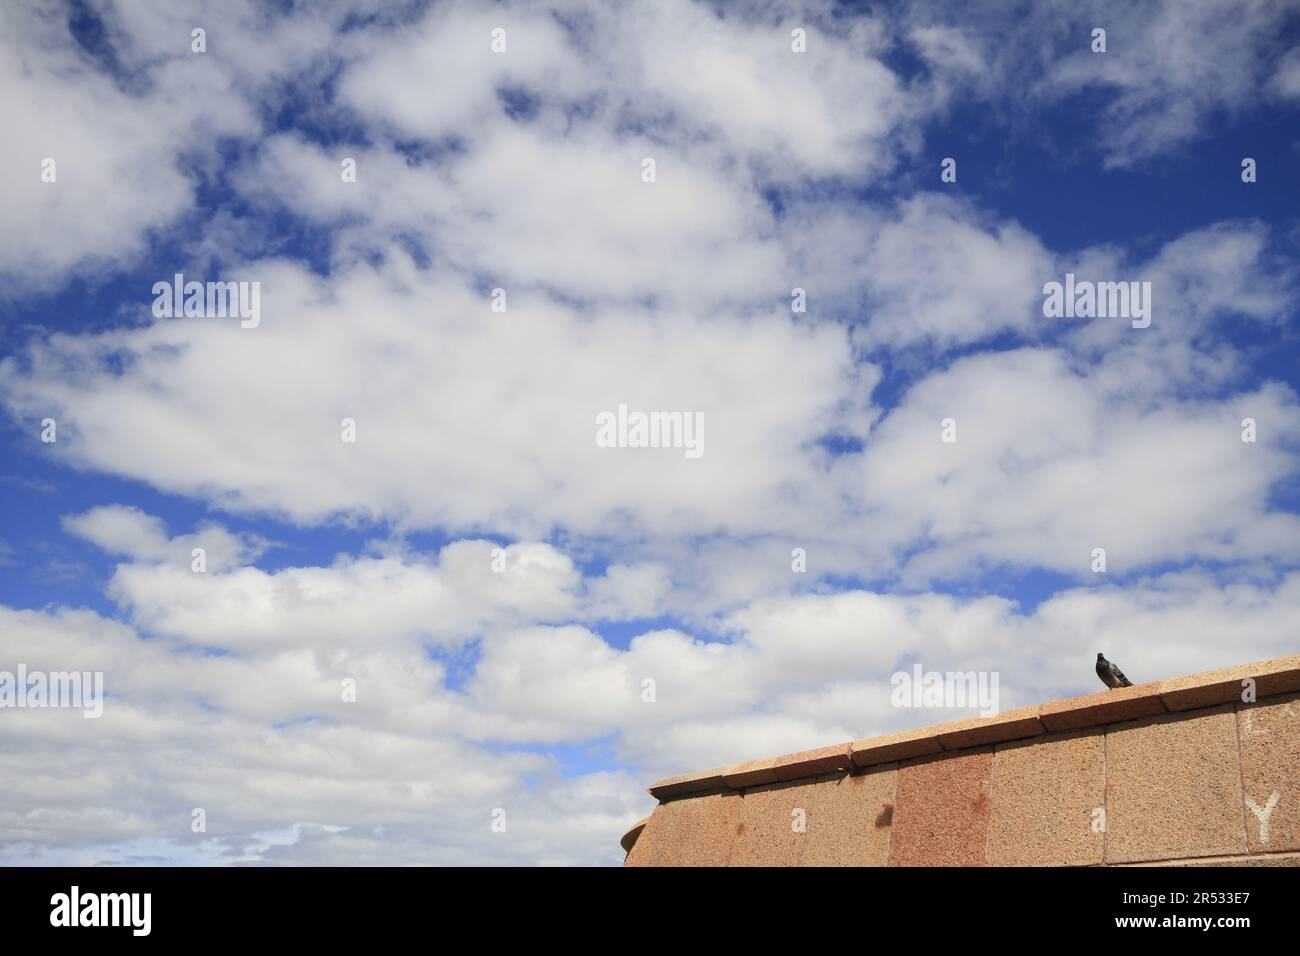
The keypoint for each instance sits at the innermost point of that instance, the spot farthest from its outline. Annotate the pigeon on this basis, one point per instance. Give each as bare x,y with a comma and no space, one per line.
1111,675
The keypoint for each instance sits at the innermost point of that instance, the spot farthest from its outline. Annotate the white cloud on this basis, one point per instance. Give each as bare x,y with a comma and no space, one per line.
1287,78
1170,71
685,72
439,440
117,150
441,77
1047,466
125,530
413,771
940,272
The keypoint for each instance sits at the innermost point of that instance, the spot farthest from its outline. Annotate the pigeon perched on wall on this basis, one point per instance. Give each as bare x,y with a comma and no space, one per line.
1111,675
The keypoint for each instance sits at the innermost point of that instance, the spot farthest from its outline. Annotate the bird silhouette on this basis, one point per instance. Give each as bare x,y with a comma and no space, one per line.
1111,675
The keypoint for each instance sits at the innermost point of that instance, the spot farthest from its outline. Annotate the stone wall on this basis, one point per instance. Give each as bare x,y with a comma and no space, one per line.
1179,771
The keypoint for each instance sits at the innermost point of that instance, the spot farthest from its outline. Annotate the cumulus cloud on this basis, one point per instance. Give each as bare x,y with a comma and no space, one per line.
129,531
1169,68
439,441
1046,466
399,350
942,273
117,148
414,769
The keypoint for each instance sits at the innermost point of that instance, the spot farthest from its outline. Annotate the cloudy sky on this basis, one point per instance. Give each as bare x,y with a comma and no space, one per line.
498,588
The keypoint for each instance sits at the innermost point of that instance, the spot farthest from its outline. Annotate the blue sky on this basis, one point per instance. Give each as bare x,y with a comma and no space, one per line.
520,683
